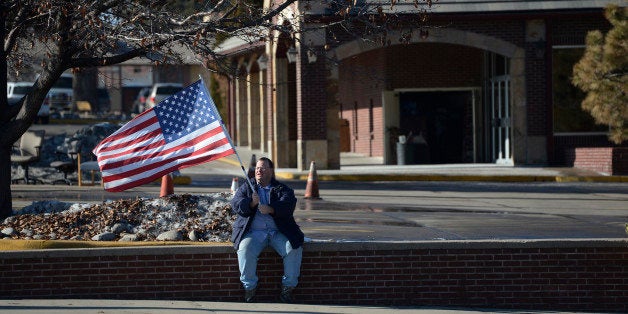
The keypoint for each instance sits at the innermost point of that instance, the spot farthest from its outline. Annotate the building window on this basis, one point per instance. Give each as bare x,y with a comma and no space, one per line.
566,98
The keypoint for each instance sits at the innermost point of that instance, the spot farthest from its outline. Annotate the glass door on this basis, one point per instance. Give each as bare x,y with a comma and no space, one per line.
497,109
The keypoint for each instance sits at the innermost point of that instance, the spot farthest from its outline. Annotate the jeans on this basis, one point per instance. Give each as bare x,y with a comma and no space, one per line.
250,249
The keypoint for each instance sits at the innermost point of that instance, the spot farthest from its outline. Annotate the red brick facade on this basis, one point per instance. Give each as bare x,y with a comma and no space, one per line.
578,275
609,160
355,78
425,66
364,78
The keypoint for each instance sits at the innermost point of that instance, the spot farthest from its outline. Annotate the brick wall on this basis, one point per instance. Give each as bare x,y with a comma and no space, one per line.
566,32
400,66
536,87
434,65
582,275
363,82
312,108
620,161
594,158
609,160
563,145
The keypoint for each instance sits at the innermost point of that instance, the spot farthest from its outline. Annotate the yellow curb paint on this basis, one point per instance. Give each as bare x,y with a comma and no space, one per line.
22,245
607,179
229,161
178,180
181,180
418,177
339,231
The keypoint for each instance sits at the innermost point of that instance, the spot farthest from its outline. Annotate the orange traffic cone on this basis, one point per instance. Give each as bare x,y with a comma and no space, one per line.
167,186
311,190
251,173
234,185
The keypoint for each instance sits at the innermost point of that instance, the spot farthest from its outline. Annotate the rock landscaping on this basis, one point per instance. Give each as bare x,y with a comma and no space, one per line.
175,217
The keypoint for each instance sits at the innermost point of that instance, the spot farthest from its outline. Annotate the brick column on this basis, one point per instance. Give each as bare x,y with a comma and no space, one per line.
538,111
311,77
263,111
253,109
280,141
241,110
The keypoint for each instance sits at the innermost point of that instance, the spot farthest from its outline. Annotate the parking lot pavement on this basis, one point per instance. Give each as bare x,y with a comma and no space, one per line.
412,209
419,211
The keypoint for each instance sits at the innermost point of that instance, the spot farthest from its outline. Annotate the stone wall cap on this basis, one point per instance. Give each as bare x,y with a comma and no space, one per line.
222,248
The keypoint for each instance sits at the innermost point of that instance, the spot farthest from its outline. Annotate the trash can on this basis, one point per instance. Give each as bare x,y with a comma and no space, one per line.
401,153
406,153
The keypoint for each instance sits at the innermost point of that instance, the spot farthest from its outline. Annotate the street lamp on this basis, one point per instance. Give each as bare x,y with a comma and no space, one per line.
311,56
262,62
292,55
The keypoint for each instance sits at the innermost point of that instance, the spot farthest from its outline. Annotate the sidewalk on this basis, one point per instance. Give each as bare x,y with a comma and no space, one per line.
86,306
357,167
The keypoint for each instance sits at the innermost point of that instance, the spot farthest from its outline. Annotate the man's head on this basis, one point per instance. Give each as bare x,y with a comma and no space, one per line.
264,171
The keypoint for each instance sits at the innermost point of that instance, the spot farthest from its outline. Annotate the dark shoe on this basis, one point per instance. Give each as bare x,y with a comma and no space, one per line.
286,294
249,295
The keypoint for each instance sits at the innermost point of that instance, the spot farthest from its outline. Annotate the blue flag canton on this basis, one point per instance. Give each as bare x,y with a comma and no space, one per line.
185,112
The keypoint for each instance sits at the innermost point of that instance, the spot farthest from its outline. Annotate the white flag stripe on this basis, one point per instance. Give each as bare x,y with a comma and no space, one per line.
144,162
167,146
133,123
128,147
146,174
183,130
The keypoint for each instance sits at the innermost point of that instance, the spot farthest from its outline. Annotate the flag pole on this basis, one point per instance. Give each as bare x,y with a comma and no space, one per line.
224,130
246,176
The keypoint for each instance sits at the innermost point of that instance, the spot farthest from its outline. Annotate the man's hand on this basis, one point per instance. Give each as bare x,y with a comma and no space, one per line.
254,201
265,209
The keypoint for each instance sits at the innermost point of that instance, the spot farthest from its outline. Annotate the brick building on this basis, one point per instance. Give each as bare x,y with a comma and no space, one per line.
482,82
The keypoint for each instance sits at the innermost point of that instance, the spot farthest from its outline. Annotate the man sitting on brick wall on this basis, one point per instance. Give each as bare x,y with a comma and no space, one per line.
265,217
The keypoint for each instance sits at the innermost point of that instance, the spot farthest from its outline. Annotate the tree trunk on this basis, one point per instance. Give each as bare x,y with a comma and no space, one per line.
6,202
85,85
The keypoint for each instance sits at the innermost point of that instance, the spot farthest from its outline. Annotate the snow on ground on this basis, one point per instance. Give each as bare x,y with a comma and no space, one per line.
172,218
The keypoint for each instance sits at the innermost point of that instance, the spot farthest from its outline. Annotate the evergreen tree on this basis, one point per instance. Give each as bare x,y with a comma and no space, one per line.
601,74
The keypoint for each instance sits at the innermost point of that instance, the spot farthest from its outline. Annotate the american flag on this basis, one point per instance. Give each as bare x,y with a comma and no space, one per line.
181,131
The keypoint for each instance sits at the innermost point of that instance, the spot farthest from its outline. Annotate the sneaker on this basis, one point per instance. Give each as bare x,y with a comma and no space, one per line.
249,295
286,294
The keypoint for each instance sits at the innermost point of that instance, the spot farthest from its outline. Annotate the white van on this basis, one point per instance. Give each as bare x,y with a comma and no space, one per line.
60,96
161,91
17,90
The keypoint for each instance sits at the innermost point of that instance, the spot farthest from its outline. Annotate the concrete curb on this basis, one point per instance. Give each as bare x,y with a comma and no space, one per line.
83,248
302,176
445,177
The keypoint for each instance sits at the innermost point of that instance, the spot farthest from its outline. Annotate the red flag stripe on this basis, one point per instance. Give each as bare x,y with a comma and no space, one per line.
152,151
123,182
183,130
126,145
130,130
142,165
154,167
147,166
126,186
135,149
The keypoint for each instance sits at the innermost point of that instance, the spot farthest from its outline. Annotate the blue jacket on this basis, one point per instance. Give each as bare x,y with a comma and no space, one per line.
282,200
